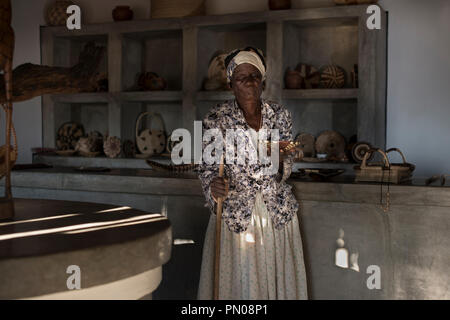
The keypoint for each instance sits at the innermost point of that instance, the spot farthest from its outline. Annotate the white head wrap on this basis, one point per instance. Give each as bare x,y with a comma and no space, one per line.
246,57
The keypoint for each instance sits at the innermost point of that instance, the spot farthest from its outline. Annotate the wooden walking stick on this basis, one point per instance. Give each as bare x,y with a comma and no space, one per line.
218,229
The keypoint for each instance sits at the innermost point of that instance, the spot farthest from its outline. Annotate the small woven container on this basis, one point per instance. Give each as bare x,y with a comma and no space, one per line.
112,147
177,8
56,14
332,76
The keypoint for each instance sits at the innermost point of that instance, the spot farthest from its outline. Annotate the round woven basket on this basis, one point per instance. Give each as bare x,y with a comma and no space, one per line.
177,8
332,76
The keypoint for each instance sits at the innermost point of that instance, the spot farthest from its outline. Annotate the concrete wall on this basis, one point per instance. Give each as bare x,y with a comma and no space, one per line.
409,243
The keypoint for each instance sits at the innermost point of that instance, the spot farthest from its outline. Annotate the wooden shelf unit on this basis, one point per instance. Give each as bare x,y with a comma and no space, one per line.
179,49
88,97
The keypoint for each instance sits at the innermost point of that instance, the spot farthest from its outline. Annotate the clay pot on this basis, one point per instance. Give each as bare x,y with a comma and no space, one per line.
279,4
122,13
293,80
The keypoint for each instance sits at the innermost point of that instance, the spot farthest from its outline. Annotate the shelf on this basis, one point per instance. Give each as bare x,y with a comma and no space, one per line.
179,49
94,97
133,163
135,26
215,95
106,97
150,96
328,94
160,52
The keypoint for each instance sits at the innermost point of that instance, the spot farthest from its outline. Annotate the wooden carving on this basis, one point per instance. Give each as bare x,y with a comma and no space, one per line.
6,57
31,80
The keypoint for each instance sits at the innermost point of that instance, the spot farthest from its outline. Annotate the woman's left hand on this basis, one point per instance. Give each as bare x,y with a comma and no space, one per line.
284,151
284,154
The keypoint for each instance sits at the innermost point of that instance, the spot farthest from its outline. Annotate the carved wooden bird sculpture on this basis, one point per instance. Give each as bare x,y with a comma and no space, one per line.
6,61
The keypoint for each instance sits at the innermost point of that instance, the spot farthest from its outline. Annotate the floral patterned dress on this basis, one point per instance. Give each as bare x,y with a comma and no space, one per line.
262,262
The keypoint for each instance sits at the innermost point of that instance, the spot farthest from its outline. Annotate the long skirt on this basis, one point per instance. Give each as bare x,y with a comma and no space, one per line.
261,263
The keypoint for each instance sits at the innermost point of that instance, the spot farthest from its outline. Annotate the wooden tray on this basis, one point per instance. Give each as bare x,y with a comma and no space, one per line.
383,172
92,169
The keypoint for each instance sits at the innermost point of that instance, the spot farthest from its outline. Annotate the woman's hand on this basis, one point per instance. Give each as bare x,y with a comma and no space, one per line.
219,188
284,151
284,155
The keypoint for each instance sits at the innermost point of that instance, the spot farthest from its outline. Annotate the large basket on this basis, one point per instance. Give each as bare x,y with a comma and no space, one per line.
177,8
385,171
150,141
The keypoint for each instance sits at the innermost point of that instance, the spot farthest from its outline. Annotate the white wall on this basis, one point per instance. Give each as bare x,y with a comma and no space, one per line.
418,109
27,115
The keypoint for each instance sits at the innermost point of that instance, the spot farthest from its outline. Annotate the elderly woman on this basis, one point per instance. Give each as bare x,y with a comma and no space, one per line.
261,254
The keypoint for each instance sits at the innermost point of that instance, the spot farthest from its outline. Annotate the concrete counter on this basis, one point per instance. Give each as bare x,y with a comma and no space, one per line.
119,250
409,243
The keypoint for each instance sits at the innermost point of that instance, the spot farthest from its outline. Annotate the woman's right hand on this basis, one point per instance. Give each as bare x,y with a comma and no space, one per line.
219,188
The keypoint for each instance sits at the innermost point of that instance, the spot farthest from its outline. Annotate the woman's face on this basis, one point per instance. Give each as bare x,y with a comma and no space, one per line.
247,83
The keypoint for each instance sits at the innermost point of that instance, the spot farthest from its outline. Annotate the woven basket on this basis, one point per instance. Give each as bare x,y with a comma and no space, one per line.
177,8
150,141
332,76
383,172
